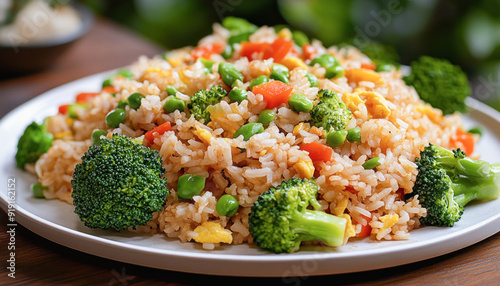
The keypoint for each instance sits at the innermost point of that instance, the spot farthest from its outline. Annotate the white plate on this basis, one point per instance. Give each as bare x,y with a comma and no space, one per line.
56,221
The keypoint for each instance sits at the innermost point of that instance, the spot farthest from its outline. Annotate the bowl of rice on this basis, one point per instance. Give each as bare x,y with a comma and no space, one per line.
364,179
38,34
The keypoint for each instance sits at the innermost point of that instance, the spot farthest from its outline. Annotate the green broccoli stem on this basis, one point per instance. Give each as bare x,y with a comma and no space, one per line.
318,225
464,166
487,188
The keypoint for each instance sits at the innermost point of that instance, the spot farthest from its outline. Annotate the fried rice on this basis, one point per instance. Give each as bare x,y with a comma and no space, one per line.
395,125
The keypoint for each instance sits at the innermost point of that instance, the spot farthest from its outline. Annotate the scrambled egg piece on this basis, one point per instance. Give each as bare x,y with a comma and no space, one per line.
431,113
294,62
389,221
285,34
162,73
212,232
203,134
299,127
357,75
305,169
63,135
375,103
340,206
350,231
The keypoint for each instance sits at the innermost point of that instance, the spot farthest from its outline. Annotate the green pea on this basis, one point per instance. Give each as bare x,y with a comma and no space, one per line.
189,186
266,117
354,135
229,74
334,71
249,130
313,80
115,117
122,104
476,130
126,73
237,94
96,136
134,100
227,53
171,90
300,38
227,205
300,103
107,82
336,138
74,108
280,72
238,25
258,81
208,65
37,190
172,104
325,60
238,38
372,163
383,67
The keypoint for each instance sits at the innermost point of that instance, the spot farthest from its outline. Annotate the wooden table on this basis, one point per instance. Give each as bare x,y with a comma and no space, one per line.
40,261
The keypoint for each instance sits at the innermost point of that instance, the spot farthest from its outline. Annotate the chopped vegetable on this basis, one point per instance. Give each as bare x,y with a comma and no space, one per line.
372,163
189,186
300,103
157,131
248,130
266,117
204,98
463,140
275,93
317,151
34,142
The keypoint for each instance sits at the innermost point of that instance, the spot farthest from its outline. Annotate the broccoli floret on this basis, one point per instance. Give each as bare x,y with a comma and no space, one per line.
118,184
439,83
204,98
379,53
279,220
448,180
34,142
330,112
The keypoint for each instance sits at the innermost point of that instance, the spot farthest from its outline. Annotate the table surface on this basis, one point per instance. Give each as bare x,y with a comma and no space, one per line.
40,261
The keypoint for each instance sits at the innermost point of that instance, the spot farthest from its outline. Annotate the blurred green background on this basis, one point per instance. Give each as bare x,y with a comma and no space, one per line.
465,32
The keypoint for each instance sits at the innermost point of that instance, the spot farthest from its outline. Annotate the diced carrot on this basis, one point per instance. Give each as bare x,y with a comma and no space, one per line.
369,66
365,229
206,51
463,140
157,131
249,49
317,151
109,89
274,92
63,109
85,96
278,49
308,51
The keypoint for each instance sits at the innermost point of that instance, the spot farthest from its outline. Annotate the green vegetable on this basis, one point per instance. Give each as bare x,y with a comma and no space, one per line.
325,60
372,163
208,65
34,142
313,80
384,56
300,103
248,130
330,112
75,108
172,104
381,67
229,74
300,38
237,94
96,136
238,25
189,186
280,219
118,184
124,73
122,104
227,53
171,90
266,117
261,79
281,73
476,130
115,117
449,180
37,190
440,83
204,98
354,135
227,205
238,38
134,100
334,72
336,138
